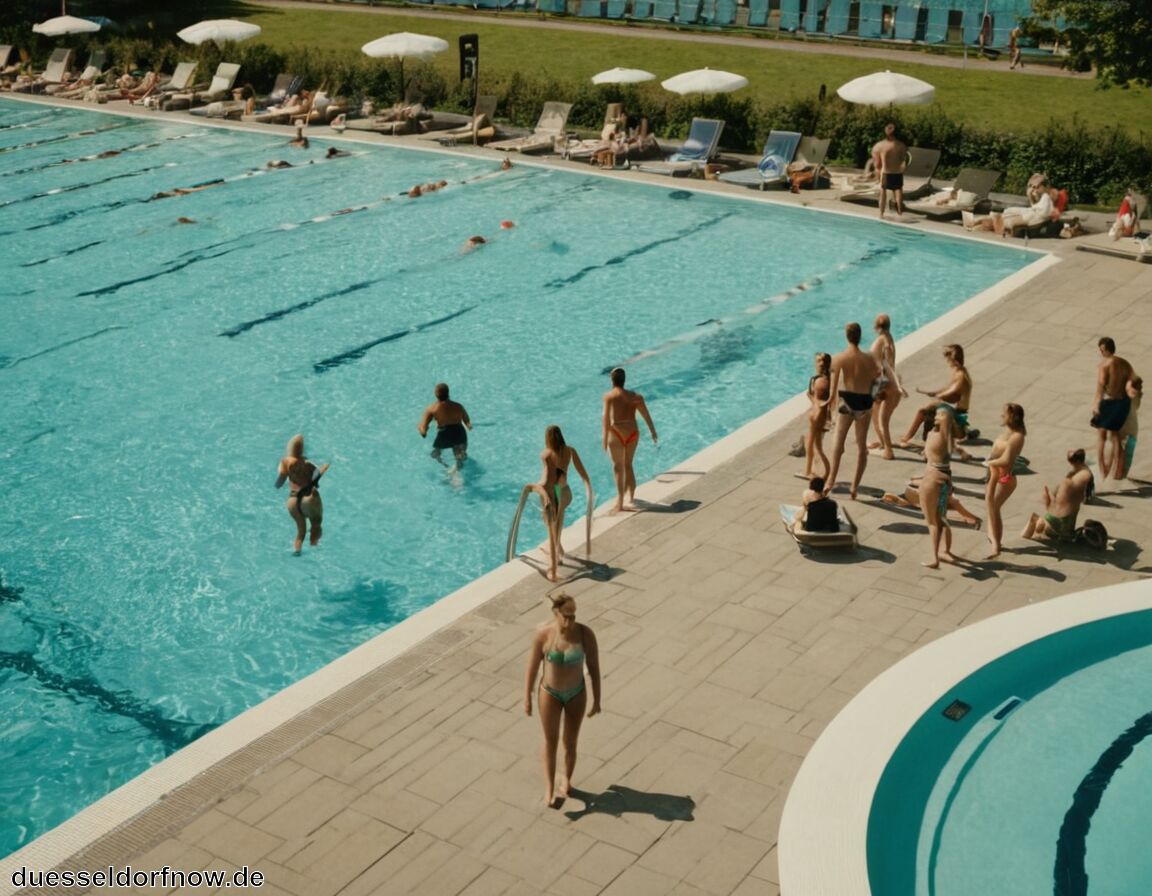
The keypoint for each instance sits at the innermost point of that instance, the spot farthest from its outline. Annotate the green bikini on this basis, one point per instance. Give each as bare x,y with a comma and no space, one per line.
574,657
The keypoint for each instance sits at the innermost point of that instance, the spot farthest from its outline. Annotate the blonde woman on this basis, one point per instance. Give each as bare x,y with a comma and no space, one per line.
819,396
889,391
1001,465
555,495
304,504
563,647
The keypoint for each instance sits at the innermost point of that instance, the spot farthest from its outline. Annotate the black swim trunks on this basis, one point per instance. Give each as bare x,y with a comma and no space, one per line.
1113,413
893,181
450,436
855,402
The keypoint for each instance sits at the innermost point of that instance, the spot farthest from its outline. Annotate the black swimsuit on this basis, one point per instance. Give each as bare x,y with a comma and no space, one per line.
855,402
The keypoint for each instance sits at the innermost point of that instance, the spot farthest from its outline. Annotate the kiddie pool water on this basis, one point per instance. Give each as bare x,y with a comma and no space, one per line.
1042,788
152,371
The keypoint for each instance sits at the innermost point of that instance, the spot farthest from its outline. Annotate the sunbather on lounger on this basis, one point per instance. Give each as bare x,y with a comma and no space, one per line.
999,222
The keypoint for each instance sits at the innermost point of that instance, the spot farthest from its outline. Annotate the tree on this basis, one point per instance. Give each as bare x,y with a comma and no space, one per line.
1112,35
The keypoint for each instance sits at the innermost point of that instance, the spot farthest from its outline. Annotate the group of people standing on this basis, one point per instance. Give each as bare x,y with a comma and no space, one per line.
864,388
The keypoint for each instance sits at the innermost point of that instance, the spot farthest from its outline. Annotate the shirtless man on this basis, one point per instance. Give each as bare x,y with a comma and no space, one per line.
1061,509
853,373
1111,404
889,158
452,425
957,394
622,435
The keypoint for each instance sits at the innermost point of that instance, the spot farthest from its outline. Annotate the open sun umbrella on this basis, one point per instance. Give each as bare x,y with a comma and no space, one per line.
623,76
404,45
704,80
887,89
65,25
218,30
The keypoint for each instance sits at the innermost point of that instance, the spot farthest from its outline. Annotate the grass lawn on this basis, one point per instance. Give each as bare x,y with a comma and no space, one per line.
985,94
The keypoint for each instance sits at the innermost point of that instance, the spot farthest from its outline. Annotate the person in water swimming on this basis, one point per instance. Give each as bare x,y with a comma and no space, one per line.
304,504
555,495
452,425
622,435
563,647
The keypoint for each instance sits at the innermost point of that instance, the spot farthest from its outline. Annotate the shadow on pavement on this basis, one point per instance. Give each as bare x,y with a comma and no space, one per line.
617,800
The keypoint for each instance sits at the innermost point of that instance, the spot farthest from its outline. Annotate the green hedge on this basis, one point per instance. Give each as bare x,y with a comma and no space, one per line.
1096,166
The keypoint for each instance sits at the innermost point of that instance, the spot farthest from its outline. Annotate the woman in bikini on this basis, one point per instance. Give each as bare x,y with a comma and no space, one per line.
819,395
936,486
622,435
1001,465
304,502
563,647
889,391
555,495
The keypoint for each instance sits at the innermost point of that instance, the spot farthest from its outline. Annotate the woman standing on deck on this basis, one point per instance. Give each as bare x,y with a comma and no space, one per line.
555,495
888,388
563,647
936,486
1001,465
304,502
818,394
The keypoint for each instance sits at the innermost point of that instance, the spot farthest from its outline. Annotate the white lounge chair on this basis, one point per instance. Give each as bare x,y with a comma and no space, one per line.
700,147
552,125
779,150
219,89
54,72
969,190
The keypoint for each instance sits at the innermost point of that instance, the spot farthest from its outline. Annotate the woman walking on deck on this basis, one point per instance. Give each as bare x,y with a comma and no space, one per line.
1001,465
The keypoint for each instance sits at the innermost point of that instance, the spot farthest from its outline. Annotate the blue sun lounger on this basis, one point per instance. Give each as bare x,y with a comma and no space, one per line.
701,145
779,150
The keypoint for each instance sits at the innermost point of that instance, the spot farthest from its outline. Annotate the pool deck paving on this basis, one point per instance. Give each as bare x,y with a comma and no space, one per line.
725,651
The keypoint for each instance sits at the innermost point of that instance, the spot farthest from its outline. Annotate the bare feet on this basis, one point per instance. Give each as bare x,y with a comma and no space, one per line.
947,556
935,564
549,799
873,445
1030,527
562,790
995,553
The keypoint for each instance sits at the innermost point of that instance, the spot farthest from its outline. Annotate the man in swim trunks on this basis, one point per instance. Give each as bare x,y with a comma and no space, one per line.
622,435
452,425
1111,403
889,158
1061,509
854,373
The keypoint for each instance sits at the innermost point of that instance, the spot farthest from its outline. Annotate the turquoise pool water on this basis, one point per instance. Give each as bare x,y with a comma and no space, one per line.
1041,788
152,372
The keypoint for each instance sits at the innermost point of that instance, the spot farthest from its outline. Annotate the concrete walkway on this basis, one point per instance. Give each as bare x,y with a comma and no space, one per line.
725,652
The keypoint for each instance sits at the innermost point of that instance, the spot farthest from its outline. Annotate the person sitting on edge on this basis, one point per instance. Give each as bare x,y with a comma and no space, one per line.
1061,509
452,425
819,513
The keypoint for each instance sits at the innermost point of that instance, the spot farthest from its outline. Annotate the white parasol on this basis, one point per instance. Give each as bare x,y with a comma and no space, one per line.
887,89
704,80
623,76
65,25
404,45
218,30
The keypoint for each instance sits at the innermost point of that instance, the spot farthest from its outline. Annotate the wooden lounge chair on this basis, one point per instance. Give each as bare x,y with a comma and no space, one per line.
842,539
968,193
549,128
479,130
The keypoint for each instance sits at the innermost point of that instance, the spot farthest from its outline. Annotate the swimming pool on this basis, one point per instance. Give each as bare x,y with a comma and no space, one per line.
153,370
1040,787
1010,756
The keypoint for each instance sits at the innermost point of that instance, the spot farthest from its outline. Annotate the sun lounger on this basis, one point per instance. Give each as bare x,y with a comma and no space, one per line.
54,72
551,126
85,82
843,539
700,147
967,193
917,179
284,86
1049,228
219,89
779,151
480,129
5,55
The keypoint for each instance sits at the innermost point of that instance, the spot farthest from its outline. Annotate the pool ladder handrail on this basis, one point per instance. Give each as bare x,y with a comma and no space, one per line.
514,530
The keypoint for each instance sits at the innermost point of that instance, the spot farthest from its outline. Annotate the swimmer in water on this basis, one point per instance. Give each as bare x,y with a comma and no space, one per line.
334,153
472,243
